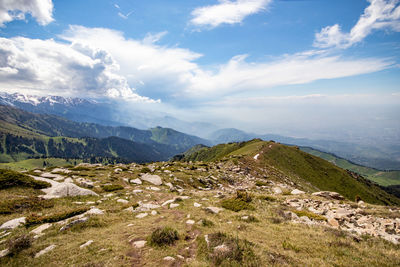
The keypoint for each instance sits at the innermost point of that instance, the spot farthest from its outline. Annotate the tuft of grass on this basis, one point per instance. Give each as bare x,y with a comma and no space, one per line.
19,243
31,203
164,237
310,215
10,178
112,187
248,219
261,183
206,223
224,250
267,198
145,170
236,205
244,196
289,246
34,219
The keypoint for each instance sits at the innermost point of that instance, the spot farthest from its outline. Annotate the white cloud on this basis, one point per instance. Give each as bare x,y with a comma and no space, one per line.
49,67
11,10
173,73
228,12
379,15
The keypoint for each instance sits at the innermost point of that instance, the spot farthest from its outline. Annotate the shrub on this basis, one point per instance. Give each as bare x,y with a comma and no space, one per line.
19,243
145,170
244,196
248,218
164,236
236,205
357,198
10,178
232,252
112,187
289,246
34,219
261,183
32,203
310,215
267,198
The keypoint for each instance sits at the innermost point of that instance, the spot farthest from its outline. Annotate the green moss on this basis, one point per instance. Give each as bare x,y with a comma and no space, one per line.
10,178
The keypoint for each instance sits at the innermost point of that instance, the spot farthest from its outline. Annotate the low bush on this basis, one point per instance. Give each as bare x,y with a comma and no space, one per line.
112,187
207,223
224,250
310,215
145,170
261,183
248,219
16,245
17,205
244,196
34,219
164,236
10,178
267,198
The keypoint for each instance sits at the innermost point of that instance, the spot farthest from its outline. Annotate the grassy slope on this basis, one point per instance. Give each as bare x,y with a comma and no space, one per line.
384,178
299,166
31,164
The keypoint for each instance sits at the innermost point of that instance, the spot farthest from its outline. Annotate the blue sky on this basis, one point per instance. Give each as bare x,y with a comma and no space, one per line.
214,60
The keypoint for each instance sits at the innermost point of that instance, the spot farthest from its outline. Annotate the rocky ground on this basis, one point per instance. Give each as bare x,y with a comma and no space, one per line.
115,210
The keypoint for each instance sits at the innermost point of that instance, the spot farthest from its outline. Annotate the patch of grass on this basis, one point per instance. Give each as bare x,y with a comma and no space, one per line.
236,205
248,218
267,198
310,215
81,168
206,223
224,250
19,243
18,205
163,237
34,219
93,222
10,178
112,187
289,246
145,170
244,196
261,183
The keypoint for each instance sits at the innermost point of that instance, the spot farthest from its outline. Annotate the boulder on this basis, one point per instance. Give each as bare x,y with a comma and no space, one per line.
44,251
38,230
297,192
153,179
333,222
74,222
139,244
136,181
197,205
277,190
66,190
4,253
214,210
14,223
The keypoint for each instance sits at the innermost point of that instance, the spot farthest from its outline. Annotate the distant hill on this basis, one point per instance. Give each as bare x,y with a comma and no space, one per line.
382,158
288,163
24,134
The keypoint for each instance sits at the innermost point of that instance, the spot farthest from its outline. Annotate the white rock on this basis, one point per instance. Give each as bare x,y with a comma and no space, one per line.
44,251
277,190
167,202
190,222
41,228
173,205
197,205
123,201
137,191
65,190
139,244
149,206
141,215
4,253
136,181
214,210
14,223
169,258
153,212
86,244
94,211
256,156
153,179
297,192
153,188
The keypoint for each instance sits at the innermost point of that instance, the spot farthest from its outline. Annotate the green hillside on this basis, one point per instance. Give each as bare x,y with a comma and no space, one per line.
384,178
283,162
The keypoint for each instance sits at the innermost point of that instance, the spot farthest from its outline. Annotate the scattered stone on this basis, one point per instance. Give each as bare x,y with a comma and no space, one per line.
333,222
197,205
123,201
4,253
14,223
137,191
256,157
190,222
74,222
277,190
66,190
86,244
153,188
38,230
297,192
136,181
153,179
94,211
167,202
169,258
139,244
118,170
44,251
173,205
141,215
214,210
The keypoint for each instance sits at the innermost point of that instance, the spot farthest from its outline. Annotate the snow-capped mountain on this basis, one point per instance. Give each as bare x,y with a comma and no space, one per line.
106,113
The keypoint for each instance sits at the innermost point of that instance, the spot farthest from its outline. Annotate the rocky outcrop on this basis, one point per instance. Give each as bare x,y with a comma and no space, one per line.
153,179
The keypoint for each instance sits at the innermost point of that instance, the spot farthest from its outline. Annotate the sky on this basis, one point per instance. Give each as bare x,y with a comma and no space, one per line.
305,68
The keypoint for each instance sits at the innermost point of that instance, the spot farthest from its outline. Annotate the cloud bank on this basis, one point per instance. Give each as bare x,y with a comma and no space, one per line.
41,10
379,15
227,12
